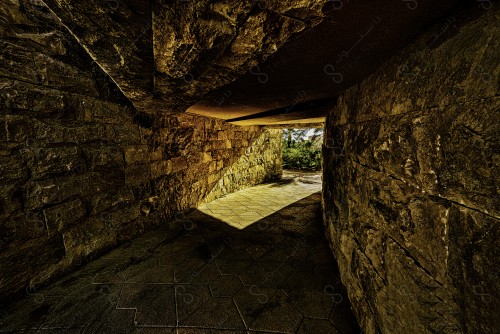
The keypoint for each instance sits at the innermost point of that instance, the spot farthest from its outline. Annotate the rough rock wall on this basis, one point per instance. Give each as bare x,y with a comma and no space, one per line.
80,169
261,162
411,175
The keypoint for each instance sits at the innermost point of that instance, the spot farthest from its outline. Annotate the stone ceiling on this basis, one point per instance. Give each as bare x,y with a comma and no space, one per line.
248,62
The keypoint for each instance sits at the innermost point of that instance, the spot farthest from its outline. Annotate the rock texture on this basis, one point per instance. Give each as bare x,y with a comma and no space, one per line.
411,165
117,34
215,42
165,55
81,169
261,162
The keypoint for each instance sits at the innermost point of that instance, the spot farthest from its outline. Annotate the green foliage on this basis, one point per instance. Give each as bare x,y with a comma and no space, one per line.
301,151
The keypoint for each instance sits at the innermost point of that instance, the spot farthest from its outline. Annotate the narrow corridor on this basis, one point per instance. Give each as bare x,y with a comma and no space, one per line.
200,275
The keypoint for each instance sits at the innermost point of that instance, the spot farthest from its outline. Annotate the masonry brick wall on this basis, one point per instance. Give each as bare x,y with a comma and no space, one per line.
411,165
80,169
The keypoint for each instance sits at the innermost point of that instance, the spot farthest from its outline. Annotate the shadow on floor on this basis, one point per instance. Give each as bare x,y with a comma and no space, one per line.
199,275
281,183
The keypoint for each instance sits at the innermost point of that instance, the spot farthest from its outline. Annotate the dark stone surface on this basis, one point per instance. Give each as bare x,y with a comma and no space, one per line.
81,170
411,184
177,278
163,61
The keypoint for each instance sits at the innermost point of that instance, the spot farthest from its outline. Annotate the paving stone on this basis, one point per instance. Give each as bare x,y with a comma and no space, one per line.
300,279
208,331
189,298
28,313
252,300
78,330
321,254
225,286
211,279
116,322
317,326
234,254
151,272
154,303
232,267
278,272
219,313
343,318
114,270
255,274
301,264
278,253
138,248
245,207
313,304
257,251
328,274
69,285
278,315
196,271
94,304
154,330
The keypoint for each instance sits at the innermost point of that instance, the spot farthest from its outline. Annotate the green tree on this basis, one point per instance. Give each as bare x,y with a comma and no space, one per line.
302,148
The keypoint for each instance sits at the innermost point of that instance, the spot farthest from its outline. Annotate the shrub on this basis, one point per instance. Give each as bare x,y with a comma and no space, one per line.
300,152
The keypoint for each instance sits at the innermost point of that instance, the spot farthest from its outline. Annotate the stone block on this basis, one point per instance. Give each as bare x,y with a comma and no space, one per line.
178,164
222,135
40,254
121,214
207,157
83,144
124,133
220,165
104,156
217,145
51,191
236,143
212,167
160,168
105,112
213,177
137,174
432,150
24,96
24,226
10,200
55,161
59,217
136,154
156,155
410,81
12,168
104,200
81,241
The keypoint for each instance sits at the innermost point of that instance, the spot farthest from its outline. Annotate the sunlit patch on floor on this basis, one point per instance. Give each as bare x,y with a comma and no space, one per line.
247,206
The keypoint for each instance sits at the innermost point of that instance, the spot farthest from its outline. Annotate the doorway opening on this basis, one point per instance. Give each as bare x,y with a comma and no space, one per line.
301,154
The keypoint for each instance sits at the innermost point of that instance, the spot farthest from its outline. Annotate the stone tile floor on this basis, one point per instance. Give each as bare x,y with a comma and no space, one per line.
200,275
245,207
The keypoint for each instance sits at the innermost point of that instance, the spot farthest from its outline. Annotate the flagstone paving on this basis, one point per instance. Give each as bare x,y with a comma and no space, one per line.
247,206
200,275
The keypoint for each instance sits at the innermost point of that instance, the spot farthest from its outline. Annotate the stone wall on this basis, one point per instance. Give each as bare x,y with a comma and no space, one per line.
80,169
261,162
411,175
